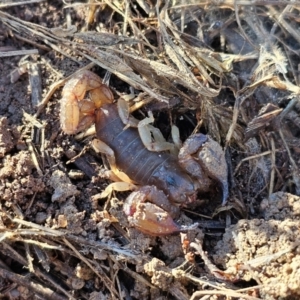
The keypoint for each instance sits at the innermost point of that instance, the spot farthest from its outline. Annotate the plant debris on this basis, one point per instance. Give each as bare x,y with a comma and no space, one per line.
229,69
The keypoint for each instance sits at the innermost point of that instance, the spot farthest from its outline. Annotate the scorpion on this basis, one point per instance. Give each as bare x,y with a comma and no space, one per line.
165,182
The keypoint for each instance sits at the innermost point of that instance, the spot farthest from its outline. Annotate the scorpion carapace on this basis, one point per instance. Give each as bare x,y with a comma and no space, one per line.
165,181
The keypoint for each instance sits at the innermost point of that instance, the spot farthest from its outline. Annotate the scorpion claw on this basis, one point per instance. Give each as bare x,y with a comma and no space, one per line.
151,219
148,217
204,159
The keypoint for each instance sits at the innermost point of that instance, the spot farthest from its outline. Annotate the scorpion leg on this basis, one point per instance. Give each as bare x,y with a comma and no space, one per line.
176,138
119,187
124,113
151,137
204,159
101,147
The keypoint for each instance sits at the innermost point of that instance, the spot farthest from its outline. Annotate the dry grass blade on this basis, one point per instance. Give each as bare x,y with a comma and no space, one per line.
227,293
102,276
17,3
181,59
218,120
35,287
19,52
104,39
13,254
112,63
266,115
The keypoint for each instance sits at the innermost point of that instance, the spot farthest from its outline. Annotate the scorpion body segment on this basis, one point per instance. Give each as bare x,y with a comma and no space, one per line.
141,165
166,182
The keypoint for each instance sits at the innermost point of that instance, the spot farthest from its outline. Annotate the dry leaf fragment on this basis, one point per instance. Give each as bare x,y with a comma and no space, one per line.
104,38
264,119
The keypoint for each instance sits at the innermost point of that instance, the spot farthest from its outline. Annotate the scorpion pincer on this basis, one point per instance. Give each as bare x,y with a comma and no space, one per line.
165,182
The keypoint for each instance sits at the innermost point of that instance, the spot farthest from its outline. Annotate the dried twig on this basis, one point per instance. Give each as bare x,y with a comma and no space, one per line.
107,282
19,52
